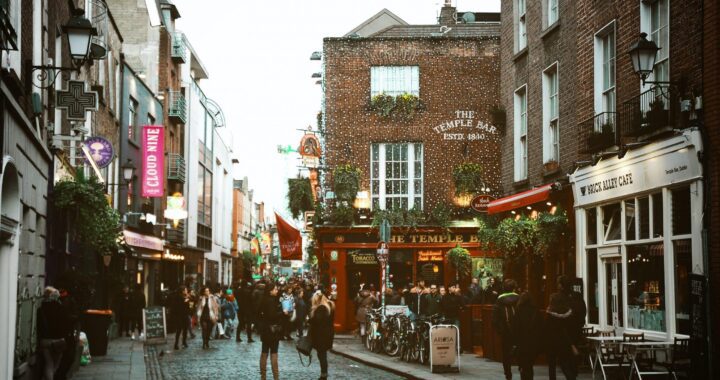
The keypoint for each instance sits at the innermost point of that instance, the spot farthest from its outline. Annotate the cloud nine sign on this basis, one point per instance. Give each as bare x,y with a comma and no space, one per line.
153,163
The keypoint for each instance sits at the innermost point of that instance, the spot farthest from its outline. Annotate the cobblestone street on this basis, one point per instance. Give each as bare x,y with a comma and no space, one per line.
227,359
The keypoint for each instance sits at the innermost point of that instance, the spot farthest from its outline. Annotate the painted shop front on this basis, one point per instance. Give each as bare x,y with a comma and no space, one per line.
639,222
347,258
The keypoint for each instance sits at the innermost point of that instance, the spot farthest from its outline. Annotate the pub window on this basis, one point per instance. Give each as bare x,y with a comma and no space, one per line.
394,80
132,120
657,214
396,176
630,212
644,217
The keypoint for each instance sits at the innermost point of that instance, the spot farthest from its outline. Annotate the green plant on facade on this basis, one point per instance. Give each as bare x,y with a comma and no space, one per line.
401,107
459,259
300,197
412,218
346,183
319,217
441,216
91,221
468,178
342,215
515,238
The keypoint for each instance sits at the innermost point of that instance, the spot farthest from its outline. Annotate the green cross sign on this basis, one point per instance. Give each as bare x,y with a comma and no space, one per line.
76,101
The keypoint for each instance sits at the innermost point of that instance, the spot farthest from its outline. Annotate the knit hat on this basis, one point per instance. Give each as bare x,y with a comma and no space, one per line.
229,292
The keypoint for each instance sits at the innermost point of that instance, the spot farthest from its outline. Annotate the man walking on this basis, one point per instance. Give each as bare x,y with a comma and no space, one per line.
503,315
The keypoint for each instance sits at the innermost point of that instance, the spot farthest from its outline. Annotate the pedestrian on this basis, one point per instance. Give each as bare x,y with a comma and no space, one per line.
393,298
472,295
300,311
451,304
269,318
243,294
229,310
526,329
321,329
503,315
192,319
363,301
207,312
288,305
560,330
180,311
72,311
430,302
52,327
122,308
137,304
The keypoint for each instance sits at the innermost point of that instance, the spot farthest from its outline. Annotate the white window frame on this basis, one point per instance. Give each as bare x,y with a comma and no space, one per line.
394,80
551,10
520,133
551,113
605,97
412,191
15,56
661,71
520,24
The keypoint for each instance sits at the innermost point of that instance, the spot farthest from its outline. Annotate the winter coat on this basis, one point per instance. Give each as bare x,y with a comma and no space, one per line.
430,304
180,309
245,302
257,296
269,313
52,320
322,332
364,301
300,310
450,306
214,307
137,304
559,329
526,331
504,312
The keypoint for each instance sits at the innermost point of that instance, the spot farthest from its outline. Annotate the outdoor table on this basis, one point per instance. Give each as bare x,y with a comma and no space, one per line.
634,348
600,342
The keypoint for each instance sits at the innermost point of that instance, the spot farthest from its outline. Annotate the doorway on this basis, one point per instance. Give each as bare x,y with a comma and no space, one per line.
10,214
613,291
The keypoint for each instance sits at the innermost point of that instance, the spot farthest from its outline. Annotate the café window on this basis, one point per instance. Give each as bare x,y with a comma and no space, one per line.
681,220
611,222
591,217
646,287
593,303
396,179
682,250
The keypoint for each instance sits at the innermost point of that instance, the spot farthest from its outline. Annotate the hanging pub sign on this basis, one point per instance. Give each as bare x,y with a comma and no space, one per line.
480,202
310,150
153,164
101,150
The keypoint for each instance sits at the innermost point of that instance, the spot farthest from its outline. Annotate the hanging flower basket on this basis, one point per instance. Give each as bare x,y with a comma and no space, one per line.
300,198
468,178
459,259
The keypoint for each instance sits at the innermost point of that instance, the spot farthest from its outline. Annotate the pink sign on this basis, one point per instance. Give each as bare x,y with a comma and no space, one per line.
153,164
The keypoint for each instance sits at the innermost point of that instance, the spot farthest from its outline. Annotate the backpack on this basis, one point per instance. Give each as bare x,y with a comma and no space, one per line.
228,311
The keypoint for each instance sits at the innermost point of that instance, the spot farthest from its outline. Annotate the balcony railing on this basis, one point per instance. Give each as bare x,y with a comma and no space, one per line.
176,235
177,110
598,133
179,49
176,167
8,35
650,113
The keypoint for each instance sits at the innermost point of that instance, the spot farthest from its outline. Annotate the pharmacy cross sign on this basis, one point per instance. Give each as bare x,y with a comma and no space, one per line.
76,100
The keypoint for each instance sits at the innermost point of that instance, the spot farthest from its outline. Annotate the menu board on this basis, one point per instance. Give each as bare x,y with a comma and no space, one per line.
444,349
155,324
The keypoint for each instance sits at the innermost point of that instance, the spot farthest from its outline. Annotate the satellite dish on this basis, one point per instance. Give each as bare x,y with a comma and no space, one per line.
468,17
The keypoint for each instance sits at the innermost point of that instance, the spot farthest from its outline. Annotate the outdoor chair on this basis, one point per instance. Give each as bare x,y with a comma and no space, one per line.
611,353
644,361
679,364
584,347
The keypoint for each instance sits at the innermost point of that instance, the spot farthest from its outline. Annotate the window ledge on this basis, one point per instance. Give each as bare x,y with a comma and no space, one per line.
551,172
550,29
523,52
521,183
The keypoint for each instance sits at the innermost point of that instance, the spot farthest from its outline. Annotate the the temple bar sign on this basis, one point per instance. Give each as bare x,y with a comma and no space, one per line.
464,126
434,238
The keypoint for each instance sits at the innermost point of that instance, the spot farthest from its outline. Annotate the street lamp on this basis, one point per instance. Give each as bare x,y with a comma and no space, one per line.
79,31
128,171
643,54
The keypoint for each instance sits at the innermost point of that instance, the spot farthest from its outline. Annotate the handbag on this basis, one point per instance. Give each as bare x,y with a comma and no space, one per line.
304,348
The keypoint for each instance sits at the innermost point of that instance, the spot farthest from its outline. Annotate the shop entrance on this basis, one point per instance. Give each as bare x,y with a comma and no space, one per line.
613,293
431,272
362,268
401,265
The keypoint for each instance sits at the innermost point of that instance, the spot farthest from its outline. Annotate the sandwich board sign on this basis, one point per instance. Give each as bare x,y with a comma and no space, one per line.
155,324
444,349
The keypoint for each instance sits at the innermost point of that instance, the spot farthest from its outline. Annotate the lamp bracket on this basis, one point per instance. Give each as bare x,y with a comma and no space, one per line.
48,72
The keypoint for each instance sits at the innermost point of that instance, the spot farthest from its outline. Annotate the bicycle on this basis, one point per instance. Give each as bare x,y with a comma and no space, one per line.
391,335
373,337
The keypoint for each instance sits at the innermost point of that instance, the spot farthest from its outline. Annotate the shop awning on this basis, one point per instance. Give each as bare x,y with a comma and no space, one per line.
526,198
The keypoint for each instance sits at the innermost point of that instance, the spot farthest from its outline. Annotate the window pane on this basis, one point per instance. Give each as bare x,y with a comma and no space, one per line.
593,305
375,187
375,169
646,287
591,221
630,219
681,211
375,152
683,268
644,217
611,221
657,215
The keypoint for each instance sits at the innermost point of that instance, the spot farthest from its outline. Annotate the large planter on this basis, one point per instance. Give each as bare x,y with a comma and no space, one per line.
96,324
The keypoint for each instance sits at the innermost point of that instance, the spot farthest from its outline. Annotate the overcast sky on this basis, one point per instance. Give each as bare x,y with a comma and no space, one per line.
257,55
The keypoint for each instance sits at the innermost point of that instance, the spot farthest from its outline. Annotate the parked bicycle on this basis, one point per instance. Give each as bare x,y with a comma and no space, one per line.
373,337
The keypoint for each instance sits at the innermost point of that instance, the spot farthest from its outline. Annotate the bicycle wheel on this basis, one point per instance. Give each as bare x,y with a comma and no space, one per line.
413,353
368,338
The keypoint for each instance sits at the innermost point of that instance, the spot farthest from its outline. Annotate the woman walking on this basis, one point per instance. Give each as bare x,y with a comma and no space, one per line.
270,319
527,327
207,312
364,301
321,329
52,327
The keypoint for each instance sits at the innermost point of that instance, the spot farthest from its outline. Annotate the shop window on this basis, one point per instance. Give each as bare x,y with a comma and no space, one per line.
394,80
646,287
591,218
644,217
657,215
611,222
630,212
593,303
681,220
683,267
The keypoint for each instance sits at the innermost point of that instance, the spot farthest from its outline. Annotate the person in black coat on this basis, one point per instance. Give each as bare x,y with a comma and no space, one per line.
123,311
526,329
137,304
180,311
245,311
269,319
52,328
321,332
503,315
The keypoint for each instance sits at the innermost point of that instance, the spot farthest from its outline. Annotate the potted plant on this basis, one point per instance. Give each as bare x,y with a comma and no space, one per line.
603,138
657,115
405,106
639,122
468,178
382,104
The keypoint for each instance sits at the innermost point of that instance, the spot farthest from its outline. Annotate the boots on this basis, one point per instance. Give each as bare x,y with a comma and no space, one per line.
274,364
263,366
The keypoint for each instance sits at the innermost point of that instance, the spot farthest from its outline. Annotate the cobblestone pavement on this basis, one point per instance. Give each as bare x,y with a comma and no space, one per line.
227,359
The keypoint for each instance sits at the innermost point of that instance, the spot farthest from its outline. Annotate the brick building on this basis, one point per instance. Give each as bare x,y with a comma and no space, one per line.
406,163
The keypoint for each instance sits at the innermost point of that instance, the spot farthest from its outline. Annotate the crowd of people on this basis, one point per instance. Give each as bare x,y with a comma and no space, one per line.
274,310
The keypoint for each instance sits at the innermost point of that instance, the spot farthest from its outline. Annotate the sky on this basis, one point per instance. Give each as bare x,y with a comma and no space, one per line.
257,54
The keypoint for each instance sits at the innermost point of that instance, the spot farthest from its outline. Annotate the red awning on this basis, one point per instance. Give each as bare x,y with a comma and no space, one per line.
539,194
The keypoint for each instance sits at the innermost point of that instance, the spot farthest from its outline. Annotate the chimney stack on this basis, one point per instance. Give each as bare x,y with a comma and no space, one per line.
447,14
